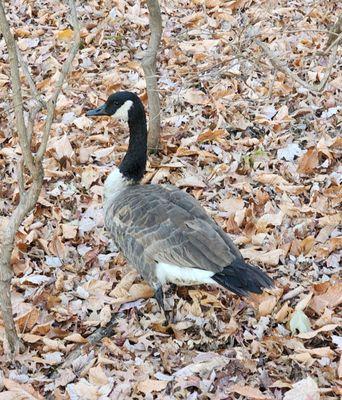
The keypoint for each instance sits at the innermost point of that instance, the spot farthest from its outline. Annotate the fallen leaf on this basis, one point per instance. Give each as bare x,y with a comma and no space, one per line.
306,389
248,391
75,338
267,305
65,35
269,257
308,162
195,96
331,298
97,376
151,385
299,322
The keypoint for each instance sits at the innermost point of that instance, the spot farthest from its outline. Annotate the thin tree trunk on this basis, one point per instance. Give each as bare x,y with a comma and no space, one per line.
28,197
149,67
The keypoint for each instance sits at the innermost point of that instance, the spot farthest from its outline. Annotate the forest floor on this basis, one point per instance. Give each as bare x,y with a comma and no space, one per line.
260,151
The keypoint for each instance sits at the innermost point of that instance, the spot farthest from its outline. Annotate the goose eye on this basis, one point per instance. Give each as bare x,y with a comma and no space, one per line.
116,103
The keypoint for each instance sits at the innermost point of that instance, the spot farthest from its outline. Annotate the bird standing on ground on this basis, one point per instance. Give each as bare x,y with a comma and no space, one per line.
162,231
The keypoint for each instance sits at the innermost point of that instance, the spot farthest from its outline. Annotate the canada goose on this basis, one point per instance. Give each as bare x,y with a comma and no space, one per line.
162,231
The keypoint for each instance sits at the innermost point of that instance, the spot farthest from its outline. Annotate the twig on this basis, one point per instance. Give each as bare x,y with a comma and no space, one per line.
92,339
65,70
20,174
335,31
29,78
283,68
30,123
334,43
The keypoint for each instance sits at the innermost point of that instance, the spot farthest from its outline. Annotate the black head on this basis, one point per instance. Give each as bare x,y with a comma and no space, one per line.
123,105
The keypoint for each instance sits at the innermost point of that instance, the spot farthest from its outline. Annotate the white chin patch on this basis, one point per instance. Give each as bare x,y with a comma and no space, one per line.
122,112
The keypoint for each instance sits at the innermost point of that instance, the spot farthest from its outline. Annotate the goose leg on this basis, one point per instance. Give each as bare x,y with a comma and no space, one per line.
159,296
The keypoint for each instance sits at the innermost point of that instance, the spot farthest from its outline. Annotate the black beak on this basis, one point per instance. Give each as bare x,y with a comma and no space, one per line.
98,111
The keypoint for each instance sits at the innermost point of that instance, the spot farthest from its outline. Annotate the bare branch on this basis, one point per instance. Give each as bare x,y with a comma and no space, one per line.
65,70
335,34
16,88
149,67
29,78
20,174
283,68
30,124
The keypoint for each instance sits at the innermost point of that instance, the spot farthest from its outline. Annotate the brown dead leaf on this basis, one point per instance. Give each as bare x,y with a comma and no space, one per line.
63,148
312,334
69,231
151,385
122,288
195,96
267,304
65,35
97,376
76,338
306,389
283,313
26,321
269,257
248,391
331,298
232,205
191,181
308,162
211,135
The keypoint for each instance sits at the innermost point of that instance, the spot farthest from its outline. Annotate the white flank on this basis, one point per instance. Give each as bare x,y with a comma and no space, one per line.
122,112
115,182
183,276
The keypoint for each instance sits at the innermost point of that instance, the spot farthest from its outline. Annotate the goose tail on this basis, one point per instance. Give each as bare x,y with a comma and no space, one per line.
242,278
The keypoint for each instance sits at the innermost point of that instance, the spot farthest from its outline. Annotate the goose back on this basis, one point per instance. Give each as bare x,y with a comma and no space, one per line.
154,224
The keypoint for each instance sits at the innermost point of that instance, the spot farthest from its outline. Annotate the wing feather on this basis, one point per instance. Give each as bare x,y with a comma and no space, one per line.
152,223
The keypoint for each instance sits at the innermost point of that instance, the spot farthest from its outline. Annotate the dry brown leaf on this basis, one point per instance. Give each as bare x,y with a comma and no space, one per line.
195,96
89,175
312,334
283,313
63,148
69,231
122,288
271,179
232,205
331,298
269,257
23,391
306,389
267,305
308,162
191,181
65,35
211,135
248,391
26,321
97,376
151,385
31,338
76,338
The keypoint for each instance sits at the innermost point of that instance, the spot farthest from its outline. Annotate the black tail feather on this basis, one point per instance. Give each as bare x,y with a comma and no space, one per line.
242,278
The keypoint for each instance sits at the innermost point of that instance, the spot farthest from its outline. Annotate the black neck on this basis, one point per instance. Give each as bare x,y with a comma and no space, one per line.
133,165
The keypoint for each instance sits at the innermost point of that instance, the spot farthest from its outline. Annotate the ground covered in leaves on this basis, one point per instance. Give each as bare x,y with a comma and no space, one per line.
260,152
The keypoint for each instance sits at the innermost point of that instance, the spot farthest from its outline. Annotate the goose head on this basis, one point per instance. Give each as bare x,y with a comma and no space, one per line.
121,105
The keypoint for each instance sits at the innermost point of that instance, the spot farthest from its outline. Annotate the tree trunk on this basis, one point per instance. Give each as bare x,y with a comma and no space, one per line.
149,67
